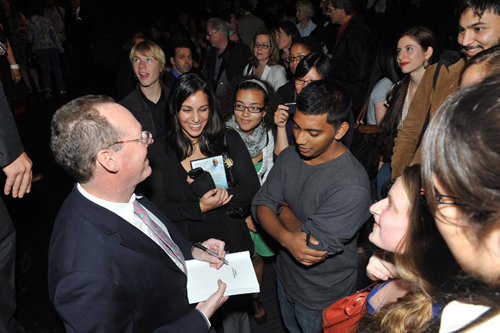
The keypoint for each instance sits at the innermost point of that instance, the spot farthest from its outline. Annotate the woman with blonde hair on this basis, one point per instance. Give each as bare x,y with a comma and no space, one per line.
416,255
305,11
264,63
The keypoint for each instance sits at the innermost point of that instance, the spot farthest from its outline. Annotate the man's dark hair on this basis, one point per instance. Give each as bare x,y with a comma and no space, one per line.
320,97
349,6
478,6
179,43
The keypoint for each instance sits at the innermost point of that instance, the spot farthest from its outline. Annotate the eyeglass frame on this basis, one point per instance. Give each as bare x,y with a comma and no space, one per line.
263,46
248,108
287,59
304,82
455,201
145,135
209,34
329,10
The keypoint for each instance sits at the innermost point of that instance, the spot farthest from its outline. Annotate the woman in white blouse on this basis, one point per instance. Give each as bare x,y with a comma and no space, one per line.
264,61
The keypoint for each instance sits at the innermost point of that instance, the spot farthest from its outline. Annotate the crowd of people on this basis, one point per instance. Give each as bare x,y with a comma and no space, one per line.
274,98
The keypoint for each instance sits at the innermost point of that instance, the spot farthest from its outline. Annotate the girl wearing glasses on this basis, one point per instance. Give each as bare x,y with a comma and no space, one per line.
247,109
460,161
301,47
264,62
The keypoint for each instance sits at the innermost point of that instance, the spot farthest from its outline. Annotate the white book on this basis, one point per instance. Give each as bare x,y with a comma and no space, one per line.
239,277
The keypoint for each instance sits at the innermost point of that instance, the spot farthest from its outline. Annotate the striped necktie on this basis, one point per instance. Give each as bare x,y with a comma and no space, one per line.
166,242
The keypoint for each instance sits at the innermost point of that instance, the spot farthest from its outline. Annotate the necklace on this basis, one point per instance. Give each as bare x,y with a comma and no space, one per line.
382,302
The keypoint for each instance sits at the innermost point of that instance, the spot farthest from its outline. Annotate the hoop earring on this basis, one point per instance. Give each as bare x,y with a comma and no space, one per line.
426,63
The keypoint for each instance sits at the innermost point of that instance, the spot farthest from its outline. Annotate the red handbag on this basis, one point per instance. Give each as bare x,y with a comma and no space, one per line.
343,315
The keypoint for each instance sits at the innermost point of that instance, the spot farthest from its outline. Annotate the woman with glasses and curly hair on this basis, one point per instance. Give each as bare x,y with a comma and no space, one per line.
264,62
248,109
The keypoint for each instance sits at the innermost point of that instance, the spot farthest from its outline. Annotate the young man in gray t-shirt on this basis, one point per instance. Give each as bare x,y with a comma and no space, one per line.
313,203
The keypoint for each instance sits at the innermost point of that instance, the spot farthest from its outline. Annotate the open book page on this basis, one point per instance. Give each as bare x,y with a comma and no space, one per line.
239,276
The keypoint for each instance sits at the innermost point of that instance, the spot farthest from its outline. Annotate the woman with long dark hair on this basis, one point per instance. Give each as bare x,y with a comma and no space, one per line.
194,131
413,55
197,207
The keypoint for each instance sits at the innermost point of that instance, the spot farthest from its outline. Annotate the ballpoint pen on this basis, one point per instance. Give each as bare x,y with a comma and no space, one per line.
201,247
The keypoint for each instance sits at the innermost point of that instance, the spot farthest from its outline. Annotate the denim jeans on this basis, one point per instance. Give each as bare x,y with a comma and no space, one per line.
48,59
298,319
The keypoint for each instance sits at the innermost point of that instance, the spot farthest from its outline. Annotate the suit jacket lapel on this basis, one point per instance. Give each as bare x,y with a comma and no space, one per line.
134,239
130,236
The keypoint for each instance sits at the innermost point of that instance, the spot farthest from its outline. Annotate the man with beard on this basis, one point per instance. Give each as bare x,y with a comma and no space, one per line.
478,30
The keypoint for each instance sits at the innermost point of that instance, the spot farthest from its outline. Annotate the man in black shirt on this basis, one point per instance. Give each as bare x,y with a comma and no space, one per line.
148,101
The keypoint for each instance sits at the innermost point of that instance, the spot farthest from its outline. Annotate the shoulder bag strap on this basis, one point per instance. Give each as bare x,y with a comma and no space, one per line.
362,113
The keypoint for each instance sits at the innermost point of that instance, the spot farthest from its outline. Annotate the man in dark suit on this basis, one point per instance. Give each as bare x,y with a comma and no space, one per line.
17,167
225,59
116,264
351,50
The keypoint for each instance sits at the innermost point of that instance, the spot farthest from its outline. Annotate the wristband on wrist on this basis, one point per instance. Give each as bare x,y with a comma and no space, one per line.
15,66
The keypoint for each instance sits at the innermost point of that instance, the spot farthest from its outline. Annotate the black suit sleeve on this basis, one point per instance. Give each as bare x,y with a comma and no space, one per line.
10,142
90,302
350,56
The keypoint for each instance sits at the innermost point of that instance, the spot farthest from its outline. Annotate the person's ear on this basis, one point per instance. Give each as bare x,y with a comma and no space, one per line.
428,53
106,158
341,131
172,61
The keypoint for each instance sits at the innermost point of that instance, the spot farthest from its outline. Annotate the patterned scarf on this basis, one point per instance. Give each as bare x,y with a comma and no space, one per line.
256,142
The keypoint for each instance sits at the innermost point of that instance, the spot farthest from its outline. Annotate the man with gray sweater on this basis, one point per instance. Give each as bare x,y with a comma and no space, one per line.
313,203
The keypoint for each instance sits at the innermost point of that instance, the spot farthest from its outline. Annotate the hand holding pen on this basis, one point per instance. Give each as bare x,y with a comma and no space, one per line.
212,251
